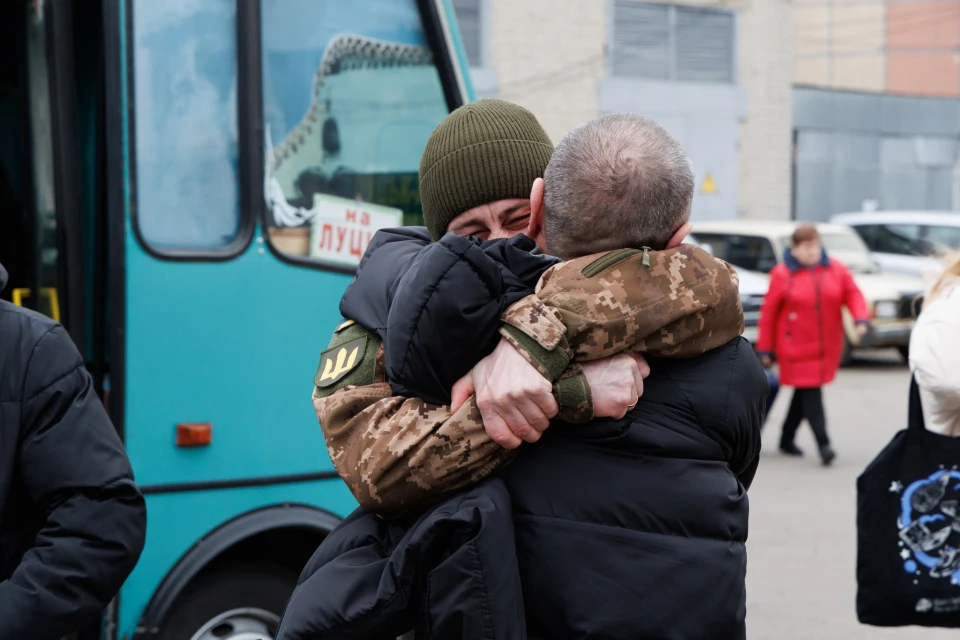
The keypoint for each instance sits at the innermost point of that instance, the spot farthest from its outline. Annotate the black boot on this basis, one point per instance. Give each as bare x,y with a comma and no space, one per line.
790,449
827,454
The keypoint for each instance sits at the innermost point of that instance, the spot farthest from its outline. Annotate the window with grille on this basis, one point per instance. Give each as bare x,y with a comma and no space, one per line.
666,42
469,18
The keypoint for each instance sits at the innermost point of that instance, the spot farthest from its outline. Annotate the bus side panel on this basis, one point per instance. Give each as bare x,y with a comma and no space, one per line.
177,521
234,344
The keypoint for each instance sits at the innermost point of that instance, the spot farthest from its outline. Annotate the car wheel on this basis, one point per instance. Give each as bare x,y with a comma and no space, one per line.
904,350
235,602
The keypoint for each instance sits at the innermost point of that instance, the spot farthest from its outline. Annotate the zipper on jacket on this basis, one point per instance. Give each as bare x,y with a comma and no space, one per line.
607,260
819,307
776,327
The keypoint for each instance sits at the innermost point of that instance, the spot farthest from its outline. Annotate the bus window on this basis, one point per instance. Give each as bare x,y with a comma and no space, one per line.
350,95
185,78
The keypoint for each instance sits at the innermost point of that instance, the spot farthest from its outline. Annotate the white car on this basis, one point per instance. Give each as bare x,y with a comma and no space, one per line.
910,242
758,245
753,288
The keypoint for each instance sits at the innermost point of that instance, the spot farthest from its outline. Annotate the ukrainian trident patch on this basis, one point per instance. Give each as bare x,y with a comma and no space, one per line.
339,361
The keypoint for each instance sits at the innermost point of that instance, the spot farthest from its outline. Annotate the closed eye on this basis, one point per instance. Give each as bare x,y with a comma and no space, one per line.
479,232
521,221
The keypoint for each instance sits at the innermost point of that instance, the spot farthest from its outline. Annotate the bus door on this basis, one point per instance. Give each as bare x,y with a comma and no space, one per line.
40,243
45,221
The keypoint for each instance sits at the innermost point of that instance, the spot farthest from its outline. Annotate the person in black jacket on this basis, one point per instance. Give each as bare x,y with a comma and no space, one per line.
72,520
626,527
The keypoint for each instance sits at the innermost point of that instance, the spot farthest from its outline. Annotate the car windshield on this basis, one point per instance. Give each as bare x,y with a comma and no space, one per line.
942,239
848,248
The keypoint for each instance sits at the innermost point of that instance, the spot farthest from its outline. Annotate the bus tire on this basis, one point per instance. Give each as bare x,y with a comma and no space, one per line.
229,600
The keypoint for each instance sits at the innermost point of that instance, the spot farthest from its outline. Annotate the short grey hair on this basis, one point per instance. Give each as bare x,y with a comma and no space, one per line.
617,181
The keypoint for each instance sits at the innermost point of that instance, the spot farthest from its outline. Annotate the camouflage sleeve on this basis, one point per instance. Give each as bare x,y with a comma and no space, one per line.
394,453
397,453
675,303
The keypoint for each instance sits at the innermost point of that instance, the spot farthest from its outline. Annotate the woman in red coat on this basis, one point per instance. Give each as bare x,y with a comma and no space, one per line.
801,323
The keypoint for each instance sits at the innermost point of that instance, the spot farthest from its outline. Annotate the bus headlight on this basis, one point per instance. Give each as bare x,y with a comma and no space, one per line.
885,309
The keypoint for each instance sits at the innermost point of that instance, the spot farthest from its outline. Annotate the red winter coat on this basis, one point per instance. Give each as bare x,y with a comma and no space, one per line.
801,320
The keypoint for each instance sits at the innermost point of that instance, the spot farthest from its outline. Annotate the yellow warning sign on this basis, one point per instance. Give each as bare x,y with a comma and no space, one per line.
708,186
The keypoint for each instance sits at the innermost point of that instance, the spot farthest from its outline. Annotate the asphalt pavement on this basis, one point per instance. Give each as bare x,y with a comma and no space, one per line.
801,575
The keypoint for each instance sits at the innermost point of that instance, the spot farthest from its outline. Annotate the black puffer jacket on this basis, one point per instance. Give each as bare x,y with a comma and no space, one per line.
632,528
72,521
450,573
403,291
636,528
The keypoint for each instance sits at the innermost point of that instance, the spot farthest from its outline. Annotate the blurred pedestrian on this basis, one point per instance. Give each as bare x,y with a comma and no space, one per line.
801,326
72,521
935,352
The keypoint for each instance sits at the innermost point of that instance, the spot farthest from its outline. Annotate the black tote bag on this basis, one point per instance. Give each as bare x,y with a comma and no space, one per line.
908,529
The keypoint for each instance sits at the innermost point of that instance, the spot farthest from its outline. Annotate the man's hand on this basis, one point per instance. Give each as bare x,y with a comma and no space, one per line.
862,329
516,402
616,383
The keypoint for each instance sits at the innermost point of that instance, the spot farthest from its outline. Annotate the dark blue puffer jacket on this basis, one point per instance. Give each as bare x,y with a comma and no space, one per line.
437,305
72,520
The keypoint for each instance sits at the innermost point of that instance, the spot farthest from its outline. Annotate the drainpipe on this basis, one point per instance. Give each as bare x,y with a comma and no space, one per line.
955,195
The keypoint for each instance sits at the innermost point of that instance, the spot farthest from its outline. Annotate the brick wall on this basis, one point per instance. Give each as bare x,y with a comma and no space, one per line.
549,56
766,71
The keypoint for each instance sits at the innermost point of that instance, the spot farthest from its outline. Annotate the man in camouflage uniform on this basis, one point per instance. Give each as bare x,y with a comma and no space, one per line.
396,452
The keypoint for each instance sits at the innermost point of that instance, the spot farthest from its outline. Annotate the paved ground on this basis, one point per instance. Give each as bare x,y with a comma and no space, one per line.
802,550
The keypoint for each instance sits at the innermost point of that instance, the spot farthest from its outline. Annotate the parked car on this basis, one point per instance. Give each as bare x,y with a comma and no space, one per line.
909,242
753,289
758,245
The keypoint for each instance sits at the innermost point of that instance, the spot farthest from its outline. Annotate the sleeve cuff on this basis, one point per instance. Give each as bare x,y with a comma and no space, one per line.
572,392
550,363
537,333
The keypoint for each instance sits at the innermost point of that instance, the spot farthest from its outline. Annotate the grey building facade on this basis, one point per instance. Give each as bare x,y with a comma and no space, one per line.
715,73
854,150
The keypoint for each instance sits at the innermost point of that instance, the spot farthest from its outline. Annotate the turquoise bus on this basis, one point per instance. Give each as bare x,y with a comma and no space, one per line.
187,185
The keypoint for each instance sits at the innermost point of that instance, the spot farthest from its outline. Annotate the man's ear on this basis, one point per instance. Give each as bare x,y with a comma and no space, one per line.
535,227
679,236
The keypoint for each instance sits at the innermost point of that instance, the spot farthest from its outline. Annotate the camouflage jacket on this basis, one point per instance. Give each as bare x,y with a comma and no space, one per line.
397,453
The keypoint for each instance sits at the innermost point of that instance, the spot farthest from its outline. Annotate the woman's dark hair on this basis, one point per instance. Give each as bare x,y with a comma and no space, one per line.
805,233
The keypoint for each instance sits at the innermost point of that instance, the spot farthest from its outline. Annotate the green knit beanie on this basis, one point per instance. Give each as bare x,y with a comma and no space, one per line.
484,151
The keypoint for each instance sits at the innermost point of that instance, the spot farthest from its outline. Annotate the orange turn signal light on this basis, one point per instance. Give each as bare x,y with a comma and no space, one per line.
194,434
